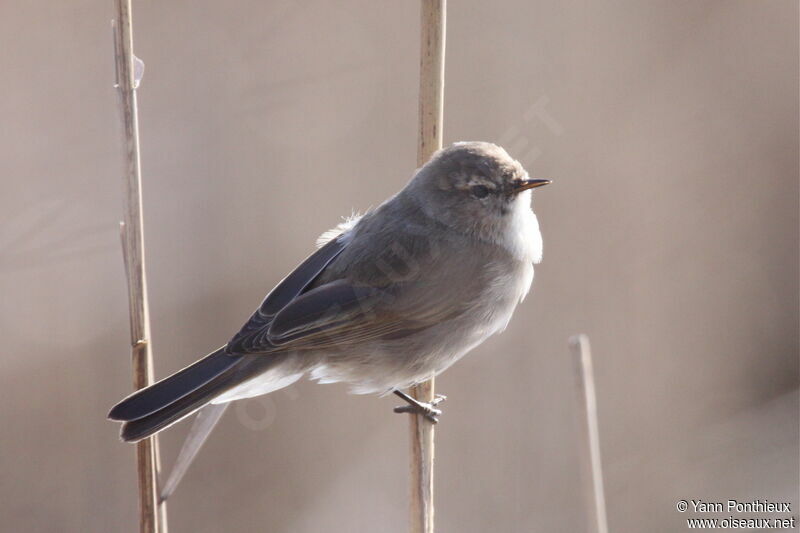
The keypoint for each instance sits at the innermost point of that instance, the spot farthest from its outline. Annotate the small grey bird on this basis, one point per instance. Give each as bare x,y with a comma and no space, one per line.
388,300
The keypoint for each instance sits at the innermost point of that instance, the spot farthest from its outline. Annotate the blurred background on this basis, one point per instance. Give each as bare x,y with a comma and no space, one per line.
671,239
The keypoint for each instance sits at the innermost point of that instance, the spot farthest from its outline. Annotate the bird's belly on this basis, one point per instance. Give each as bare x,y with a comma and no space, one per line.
383,365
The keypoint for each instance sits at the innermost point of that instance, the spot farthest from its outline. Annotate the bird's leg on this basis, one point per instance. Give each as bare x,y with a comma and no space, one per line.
428,410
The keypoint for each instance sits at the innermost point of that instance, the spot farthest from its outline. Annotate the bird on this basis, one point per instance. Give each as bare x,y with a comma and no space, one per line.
388,299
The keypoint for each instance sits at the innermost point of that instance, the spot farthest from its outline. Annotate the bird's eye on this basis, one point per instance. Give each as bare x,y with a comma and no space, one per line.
479,191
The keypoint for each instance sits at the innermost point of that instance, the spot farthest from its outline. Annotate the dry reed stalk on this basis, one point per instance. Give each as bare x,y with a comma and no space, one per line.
591,470
152,515
431,105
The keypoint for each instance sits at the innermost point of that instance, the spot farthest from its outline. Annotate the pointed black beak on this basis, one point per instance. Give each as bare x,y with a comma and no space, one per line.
523,185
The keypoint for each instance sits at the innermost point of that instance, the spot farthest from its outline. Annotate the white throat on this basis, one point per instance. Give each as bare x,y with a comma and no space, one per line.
521,236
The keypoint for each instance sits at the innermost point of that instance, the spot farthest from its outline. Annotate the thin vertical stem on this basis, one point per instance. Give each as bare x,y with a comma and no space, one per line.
592,471
431,106
152,515
431,78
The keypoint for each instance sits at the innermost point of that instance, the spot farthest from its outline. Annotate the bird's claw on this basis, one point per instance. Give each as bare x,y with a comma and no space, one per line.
439,398
426,409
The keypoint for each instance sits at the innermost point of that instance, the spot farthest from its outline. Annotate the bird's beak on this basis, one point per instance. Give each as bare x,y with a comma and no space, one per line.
523,185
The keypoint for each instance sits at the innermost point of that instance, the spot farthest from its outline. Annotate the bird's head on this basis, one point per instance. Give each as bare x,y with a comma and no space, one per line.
474,187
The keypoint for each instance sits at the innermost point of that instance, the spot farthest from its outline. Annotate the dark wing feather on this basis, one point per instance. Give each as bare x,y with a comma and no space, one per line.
252,337
322,309
338,315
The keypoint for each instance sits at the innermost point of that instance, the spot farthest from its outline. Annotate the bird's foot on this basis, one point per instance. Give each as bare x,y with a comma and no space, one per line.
426,409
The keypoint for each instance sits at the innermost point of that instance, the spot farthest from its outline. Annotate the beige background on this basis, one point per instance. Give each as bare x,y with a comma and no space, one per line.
671,238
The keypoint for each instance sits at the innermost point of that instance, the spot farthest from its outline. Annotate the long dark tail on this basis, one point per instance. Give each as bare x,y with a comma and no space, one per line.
150,410
141,428
149,400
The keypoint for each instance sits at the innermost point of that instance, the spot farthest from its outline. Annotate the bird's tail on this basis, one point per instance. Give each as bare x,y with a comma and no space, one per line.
152,409
136,430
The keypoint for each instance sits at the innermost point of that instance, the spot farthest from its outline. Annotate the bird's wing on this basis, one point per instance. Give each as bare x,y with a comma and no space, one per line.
323,308
338,314
250,338
387,284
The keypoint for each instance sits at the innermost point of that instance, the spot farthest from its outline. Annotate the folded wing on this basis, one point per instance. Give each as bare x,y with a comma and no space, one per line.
251,338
